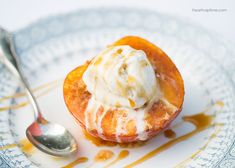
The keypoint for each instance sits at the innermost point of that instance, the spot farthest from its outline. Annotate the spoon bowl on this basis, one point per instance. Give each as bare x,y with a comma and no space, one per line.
51,138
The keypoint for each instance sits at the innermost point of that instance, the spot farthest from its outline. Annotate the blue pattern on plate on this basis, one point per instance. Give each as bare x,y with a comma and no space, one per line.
54,26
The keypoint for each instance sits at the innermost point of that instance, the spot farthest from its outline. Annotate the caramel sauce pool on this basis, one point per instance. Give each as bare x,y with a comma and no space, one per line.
97,141
100,142
169,133
103,155
122,155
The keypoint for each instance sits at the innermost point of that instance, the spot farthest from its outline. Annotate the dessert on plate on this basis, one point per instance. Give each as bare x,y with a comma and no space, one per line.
129,92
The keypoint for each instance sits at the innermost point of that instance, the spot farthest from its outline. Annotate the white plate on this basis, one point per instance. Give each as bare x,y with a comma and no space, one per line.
52,47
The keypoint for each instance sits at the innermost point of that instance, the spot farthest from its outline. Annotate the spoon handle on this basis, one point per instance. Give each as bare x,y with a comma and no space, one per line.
9,58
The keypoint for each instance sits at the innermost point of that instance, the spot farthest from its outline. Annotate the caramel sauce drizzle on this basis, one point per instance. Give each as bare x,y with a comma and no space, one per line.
24,145
76,162
122,155
202,121
98,61
212,136
48,87
7,146
13,106
21,94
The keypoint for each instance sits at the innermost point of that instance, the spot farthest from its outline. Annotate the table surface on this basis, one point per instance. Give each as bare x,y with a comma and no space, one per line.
18,14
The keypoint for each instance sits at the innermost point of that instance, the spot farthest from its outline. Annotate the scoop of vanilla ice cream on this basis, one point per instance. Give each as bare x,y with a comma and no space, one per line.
121,76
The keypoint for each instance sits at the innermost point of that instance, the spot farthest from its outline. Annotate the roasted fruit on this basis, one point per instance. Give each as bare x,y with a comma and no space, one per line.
111,122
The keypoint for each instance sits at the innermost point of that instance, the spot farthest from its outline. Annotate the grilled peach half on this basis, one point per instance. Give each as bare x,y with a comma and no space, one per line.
158,117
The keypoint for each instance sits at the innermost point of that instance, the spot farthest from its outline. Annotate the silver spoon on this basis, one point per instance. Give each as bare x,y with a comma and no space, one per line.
50,138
